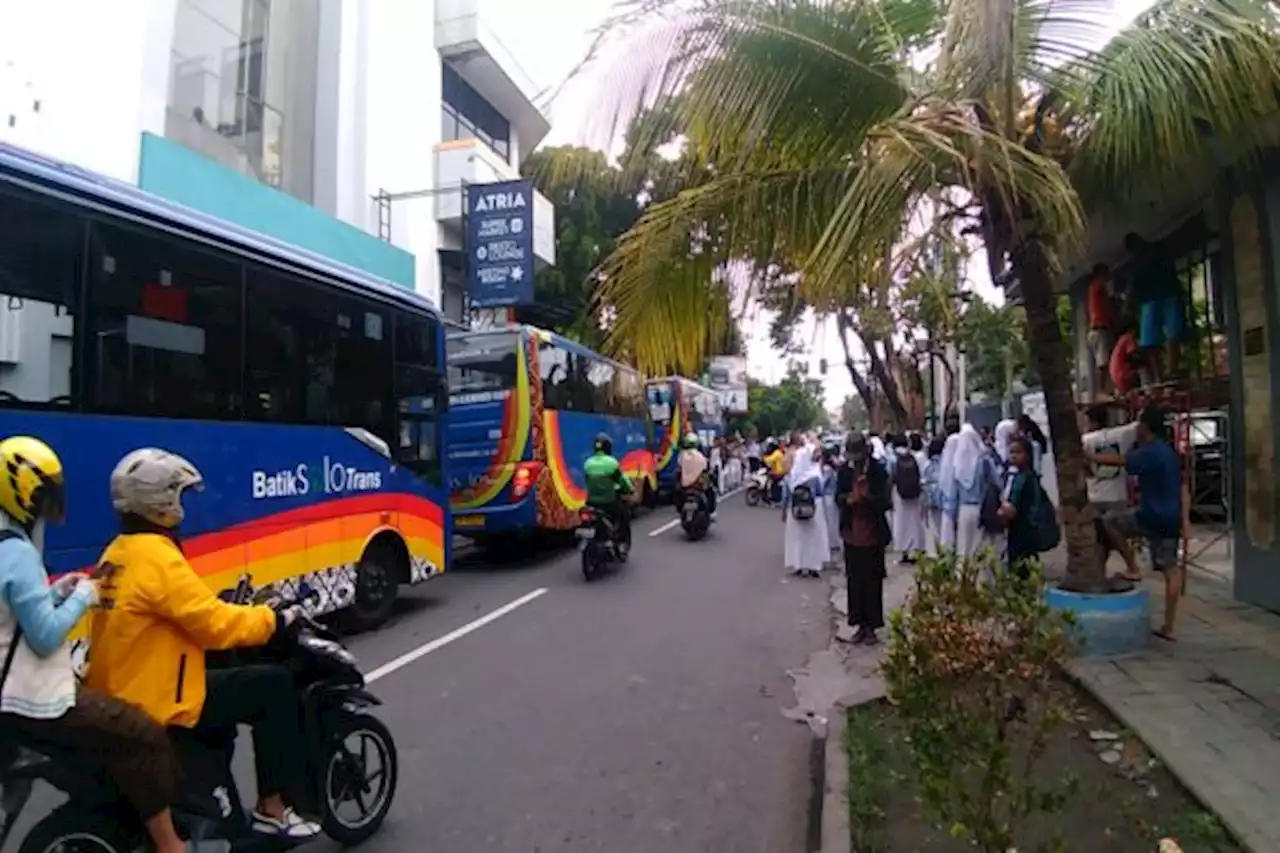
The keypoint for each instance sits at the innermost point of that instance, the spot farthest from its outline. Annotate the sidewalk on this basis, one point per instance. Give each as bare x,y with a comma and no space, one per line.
838,677
1209,704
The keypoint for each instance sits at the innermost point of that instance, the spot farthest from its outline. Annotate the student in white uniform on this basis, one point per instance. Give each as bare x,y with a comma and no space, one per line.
908,507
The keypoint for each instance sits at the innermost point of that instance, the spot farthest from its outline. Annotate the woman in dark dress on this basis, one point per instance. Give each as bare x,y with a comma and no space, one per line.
862,493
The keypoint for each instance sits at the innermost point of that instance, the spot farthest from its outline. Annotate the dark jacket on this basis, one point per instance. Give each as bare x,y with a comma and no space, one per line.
875,509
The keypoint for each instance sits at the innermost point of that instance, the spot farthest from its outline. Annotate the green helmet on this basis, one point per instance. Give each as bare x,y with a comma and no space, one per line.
690,442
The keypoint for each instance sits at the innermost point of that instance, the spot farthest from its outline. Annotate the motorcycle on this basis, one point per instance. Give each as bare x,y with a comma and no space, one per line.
600,541
760,488
350,759
695,514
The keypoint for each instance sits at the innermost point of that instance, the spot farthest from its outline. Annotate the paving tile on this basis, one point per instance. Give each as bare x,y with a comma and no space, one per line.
1209,706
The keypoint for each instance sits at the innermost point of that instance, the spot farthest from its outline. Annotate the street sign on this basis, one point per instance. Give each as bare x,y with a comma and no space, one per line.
500,244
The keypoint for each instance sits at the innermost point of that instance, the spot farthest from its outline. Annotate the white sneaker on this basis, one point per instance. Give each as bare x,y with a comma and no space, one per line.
290,825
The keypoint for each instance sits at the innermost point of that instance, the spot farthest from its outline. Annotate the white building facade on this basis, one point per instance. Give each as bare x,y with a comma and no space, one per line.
348,127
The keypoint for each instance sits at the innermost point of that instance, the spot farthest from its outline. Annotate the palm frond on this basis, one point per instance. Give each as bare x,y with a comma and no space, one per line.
1182,71
938,144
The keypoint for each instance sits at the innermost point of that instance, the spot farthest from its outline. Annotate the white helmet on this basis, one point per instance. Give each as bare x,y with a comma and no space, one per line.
149,483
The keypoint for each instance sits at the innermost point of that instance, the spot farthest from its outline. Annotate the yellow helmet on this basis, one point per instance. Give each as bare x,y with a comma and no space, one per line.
31,486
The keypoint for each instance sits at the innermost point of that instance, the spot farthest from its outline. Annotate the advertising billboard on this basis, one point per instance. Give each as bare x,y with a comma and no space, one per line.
500,244
727,374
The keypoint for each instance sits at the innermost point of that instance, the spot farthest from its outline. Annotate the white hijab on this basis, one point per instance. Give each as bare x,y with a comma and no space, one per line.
876,445
805,467
961,459
1005,431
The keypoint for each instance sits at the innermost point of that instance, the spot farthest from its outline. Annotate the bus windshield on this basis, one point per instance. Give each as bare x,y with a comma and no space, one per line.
658,395
481,363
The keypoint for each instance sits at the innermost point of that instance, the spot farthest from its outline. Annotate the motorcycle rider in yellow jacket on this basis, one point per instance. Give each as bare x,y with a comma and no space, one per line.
157,620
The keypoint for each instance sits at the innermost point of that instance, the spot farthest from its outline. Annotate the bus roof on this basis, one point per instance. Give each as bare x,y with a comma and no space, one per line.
697,386
572,346
91,189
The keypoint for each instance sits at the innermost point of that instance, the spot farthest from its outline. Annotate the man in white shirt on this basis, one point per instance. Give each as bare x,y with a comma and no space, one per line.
1109,485
693,468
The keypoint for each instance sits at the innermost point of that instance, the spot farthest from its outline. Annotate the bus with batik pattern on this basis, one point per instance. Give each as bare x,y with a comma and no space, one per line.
679,406
525,407
308,393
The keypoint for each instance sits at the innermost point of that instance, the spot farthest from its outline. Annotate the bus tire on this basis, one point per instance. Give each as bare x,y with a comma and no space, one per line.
378,578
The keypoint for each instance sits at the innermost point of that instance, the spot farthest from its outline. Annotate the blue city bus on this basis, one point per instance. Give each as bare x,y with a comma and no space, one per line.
309,394
677,407
525,407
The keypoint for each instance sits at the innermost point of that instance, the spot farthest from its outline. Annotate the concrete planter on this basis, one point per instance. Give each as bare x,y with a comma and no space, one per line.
1107,624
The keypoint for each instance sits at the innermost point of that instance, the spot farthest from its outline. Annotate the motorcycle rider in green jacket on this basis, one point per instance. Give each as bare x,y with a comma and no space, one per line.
606,484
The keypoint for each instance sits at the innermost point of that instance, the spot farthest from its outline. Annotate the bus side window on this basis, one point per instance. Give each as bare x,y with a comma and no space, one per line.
600,385
557,367
41,249
418,388
164,326
316,357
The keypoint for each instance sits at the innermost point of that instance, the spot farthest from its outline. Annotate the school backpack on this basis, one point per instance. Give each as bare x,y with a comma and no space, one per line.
906,477
803,503
1044,530
989,510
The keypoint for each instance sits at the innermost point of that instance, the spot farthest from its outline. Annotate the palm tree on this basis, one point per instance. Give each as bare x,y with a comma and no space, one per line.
829,124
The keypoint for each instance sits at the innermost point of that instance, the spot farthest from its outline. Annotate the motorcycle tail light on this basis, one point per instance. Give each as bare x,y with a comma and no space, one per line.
523,481
586,516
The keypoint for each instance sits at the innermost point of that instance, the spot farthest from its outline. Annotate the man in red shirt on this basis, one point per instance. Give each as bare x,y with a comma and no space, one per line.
1102,322
1124,370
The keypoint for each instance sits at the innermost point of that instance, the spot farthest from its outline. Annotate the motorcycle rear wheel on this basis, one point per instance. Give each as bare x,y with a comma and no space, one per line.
753,496
589,563
346,777
66,830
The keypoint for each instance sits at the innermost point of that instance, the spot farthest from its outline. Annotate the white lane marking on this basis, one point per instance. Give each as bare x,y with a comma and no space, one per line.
457,634
658,531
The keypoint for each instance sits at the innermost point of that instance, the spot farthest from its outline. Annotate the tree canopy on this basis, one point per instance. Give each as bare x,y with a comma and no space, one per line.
793,403
826,131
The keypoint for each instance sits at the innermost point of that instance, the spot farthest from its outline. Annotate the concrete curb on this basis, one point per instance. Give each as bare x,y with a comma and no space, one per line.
836,834
816,811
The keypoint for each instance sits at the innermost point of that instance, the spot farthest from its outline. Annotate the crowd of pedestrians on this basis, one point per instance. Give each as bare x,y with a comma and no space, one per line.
968,491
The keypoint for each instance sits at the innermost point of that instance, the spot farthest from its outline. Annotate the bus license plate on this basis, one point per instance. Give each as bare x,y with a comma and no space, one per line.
468,521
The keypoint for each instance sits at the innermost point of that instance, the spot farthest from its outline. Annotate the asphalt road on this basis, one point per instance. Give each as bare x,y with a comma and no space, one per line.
639,713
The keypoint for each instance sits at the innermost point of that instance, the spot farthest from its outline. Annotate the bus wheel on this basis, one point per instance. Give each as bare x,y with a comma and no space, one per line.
377,583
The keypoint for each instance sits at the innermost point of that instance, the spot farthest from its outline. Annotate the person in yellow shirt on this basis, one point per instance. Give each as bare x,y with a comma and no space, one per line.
157,620
775,459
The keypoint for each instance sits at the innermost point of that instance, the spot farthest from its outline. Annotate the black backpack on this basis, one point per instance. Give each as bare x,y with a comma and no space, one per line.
803,504
1045,533
989,511
906,478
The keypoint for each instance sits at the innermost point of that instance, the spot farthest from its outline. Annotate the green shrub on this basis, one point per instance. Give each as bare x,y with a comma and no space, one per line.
971,669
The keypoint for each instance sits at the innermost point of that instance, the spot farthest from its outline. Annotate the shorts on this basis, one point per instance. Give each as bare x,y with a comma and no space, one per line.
1100,343
1164,549
1161,321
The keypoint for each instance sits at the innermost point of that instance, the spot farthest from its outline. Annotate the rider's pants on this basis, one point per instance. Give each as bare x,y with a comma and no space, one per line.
263,697
617,513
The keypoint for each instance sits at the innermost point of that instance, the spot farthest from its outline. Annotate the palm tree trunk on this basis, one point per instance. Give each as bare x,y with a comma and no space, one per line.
1031,266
